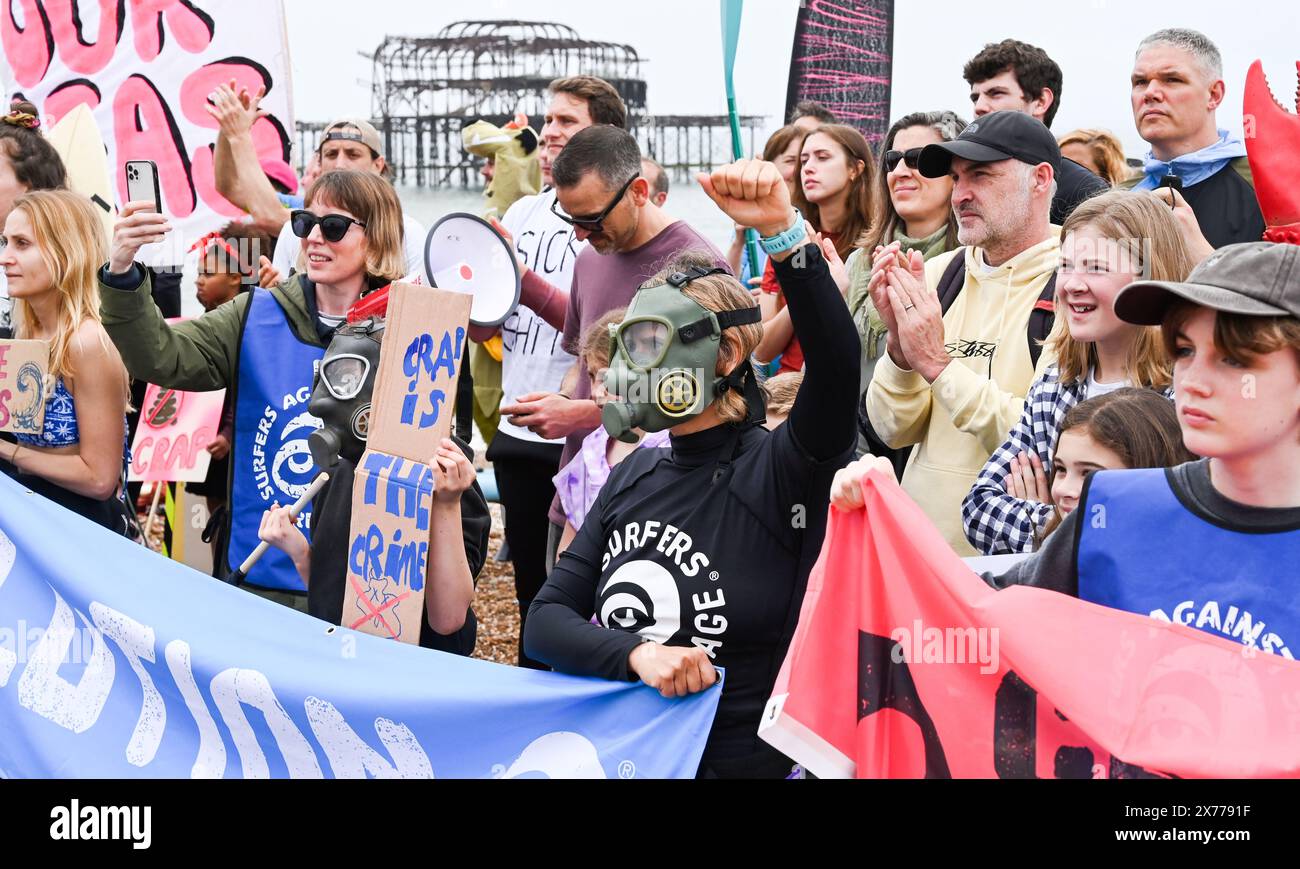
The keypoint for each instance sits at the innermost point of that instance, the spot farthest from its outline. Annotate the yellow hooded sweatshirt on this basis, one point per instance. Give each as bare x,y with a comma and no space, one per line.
965,415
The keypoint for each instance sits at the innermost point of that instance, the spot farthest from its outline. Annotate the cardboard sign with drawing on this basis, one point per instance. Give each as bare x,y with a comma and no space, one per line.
412,411
22,385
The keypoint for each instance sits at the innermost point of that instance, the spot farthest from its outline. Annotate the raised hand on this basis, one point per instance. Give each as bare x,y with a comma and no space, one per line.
752,193
138,225
267,275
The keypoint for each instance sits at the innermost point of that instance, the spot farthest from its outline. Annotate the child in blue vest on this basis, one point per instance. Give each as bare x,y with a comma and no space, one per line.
1233,329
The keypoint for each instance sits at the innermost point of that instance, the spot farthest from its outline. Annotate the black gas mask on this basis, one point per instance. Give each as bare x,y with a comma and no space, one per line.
341,394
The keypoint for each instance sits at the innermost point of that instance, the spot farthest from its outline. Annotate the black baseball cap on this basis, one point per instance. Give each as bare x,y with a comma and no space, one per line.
996,136
1257,279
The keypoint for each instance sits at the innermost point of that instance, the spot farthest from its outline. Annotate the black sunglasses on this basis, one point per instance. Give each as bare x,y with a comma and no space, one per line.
332,226
597,223
911,157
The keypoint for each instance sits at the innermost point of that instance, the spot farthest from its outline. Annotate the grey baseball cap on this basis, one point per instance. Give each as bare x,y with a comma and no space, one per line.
1258,279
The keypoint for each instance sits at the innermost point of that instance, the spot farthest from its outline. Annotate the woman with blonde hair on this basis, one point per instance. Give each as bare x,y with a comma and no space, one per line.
1099,152
53,243
263,344
698,555
1109,242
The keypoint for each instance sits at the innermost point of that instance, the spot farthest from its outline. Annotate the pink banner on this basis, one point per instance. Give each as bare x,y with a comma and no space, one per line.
906,664
175,430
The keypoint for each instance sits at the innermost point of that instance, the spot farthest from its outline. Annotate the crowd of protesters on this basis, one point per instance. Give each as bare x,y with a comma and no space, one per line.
985,311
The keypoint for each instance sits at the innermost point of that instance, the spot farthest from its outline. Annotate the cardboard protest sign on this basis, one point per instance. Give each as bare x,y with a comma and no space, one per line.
390,547
419,365
175,430
414,401
22,385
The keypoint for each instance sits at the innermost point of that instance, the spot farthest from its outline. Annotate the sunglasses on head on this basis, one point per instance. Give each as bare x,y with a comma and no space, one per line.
332,226
910,157
597,223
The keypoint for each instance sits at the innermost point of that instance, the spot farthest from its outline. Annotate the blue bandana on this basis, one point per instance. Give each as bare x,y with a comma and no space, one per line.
1195,167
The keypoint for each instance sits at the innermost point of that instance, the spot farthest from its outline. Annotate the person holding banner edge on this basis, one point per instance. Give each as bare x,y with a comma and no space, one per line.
264,344
699,555
53,240
459,521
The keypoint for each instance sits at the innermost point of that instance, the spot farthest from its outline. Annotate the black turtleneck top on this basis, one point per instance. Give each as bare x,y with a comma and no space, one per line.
671,554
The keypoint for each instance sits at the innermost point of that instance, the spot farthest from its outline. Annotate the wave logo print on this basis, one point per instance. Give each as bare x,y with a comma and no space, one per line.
561,754
293,468
641,597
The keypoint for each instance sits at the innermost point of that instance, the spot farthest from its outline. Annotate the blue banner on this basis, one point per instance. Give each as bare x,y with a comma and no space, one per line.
116,662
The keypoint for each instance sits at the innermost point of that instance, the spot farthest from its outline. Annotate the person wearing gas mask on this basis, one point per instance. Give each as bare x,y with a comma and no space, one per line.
458,516
263,345
697,556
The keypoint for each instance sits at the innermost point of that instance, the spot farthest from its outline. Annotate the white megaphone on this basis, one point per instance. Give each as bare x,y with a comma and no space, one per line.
464,254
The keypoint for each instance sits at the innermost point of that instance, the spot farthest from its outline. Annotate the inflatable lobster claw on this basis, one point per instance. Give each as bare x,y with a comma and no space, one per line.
1273,147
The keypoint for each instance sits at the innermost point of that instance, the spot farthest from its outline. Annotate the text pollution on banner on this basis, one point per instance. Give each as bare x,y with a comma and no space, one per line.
145,70
22,385
173,674
906,664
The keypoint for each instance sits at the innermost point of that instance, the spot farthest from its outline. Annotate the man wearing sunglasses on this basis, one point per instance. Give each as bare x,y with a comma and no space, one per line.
602,194
533,359
1015,76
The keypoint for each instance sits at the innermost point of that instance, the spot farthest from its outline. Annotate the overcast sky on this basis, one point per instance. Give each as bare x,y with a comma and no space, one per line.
1092,40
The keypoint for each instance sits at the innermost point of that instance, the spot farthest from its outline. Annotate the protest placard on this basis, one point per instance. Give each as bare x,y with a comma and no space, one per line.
414,402
22,385
175,430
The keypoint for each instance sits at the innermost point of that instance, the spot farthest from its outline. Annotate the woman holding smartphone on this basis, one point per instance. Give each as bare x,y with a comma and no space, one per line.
264,344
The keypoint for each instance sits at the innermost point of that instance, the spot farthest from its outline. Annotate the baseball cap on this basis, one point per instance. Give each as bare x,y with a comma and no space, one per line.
1258,279
363,131
996,136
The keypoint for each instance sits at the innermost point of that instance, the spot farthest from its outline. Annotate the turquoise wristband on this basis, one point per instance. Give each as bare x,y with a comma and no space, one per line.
778,244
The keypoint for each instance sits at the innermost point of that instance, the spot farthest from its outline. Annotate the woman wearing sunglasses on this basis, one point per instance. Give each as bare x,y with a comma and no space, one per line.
263,345
913,211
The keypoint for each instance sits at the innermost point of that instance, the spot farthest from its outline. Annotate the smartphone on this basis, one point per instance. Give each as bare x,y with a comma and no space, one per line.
142,183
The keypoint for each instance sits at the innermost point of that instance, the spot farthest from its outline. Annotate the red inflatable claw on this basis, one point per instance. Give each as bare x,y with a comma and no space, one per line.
1273,147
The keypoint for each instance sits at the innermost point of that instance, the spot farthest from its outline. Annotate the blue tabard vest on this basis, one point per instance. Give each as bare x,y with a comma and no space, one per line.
1141,550
270,460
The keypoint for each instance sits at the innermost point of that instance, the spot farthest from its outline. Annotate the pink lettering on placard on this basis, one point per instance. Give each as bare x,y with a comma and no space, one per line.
69,95
29,48
269,138
65,25
144,129
192,27
5,395
137,455
247,74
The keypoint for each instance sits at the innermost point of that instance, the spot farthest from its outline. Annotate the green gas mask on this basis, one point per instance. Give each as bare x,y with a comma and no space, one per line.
664,359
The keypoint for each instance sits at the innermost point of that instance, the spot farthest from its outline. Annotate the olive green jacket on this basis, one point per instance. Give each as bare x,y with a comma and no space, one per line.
197,355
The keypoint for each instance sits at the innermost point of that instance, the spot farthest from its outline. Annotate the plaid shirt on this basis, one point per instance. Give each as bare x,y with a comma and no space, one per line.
996,522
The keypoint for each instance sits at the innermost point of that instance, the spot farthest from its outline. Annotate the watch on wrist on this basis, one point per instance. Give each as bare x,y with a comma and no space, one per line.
788,240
